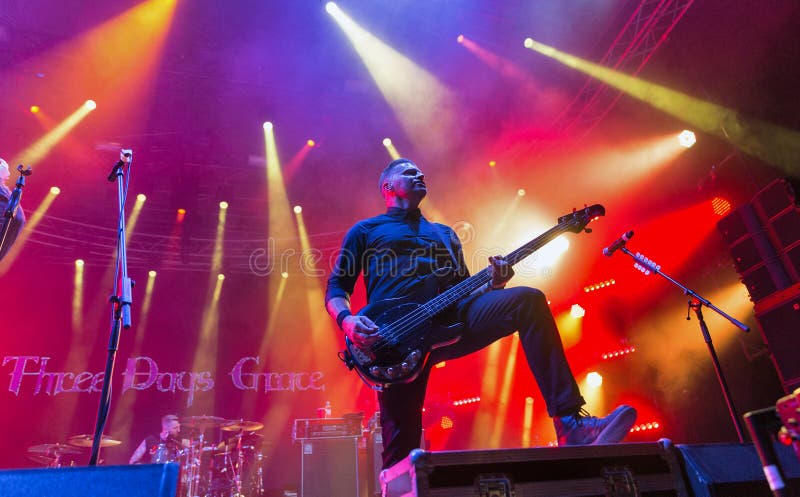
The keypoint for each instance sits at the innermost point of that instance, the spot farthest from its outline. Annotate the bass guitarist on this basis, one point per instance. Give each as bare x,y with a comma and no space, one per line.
397,252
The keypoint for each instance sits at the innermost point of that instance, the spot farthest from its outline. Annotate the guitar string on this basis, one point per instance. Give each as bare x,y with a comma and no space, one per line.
408,323
419,315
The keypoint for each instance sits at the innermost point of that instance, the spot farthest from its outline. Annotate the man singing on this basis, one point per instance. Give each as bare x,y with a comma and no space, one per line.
395,251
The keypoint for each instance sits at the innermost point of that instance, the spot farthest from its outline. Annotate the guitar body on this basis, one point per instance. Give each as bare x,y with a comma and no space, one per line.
407,336
407,328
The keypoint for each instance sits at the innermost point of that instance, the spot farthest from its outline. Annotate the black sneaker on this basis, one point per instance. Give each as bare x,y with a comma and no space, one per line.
583,429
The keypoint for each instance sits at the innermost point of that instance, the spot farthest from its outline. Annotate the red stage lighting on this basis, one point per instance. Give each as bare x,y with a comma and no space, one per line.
720,206
446,423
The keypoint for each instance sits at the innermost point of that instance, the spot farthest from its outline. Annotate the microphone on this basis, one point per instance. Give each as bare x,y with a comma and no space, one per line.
618,243
124,157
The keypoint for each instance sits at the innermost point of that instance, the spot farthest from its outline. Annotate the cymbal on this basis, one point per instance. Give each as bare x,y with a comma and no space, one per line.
51,450
202,422
87,441
240,424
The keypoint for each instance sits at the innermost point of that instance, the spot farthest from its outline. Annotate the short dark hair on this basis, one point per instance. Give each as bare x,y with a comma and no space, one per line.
387,171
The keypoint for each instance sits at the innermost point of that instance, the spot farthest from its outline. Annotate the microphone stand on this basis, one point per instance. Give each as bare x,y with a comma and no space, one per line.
13,202
120,302
696,302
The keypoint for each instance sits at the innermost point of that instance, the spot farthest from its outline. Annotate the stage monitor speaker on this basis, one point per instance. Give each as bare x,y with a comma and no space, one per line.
329,467
734,470
145,480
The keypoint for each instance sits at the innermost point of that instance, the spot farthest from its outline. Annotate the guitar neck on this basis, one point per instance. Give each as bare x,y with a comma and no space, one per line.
469,285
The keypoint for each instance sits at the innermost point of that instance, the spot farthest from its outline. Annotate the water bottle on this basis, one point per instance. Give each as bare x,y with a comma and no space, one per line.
328,409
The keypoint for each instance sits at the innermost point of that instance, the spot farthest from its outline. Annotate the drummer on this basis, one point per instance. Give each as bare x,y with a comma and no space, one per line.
164,447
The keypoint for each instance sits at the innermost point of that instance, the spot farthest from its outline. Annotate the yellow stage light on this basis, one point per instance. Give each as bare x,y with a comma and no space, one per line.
492,163
387,142
151,274
284,275
311,143
460,38
686,138
220,276
41,147
577,311
415,95
55,190
771,143
223,205
35,109
297,209
267,126
90,104
141,197
521,192
594,379
79,262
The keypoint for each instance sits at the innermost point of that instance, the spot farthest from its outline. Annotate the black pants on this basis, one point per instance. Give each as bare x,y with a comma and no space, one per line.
487,318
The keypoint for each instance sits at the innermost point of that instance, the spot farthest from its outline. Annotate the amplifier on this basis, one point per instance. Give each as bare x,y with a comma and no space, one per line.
349,426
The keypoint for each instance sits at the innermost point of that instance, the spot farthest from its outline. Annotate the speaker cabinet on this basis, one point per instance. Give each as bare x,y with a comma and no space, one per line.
734,470
329,467
145,480
779,319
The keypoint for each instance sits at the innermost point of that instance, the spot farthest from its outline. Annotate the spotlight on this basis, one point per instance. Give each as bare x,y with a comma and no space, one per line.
284,275
297,209
151,274
55,190
687,138
220,276
492,163
79,262
181,212
521,192
720,206
528,42
267,125
387,142
90,104
460,38
332,8
577,311
311,143
35,109
223,205
141,197
594,379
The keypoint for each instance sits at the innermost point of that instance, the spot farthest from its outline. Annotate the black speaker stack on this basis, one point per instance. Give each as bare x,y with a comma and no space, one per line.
764,240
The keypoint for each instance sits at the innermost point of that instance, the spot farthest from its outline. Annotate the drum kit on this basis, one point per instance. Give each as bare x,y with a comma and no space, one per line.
227,465
230,467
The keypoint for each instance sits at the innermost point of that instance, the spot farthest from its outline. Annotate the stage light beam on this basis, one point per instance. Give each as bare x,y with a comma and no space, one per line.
423,105
771,143
30,227
39,149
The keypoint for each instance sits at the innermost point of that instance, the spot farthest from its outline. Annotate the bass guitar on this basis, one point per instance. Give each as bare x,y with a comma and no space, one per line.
407,332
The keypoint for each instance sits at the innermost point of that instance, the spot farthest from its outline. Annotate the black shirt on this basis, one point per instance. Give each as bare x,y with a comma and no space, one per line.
395,251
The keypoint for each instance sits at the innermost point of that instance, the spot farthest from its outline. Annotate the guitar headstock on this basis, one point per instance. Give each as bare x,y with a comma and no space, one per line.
577,220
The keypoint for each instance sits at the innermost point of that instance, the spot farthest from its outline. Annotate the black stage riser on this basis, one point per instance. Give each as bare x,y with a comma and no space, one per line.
146,480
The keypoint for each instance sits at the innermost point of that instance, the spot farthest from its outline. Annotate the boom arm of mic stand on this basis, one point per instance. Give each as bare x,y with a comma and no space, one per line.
691,293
